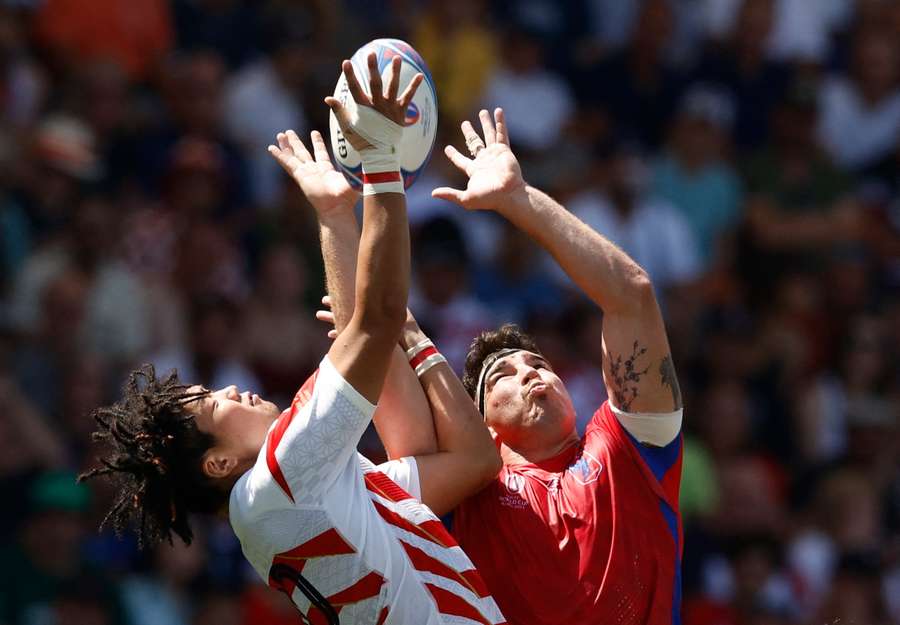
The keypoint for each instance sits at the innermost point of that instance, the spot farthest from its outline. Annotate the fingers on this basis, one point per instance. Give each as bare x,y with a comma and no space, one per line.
375,86
332,334
297,146
340,112
487,127
320,151
325,315
282,140
451,195
502,131
458,159
394,83
410,90
359,96
473,141
326,300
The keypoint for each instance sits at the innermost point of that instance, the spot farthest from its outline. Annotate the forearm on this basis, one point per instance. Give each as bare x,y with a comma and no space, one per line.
614,281
403,418
458,426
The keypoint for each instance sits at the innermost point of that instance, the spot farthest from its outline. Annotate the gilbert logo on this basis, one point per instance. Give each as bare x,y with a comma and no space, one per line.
586,469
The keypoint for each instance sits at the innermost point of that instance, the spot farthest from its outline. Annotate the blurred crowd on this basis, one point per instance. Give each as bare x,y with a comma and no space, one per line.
745,152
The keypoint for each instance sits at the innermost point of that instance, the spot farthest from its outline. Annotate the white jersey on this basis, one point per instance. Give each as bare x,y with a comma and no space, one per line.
312,505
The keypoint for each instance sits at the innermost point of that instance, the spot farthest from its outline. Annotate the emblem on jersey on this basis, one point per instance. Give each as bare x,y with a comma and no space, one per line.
515,483
586,470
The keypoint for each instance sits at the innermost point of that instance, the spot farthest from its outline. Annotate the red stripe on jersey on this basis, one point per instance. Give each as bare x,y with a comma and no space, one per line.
366,588
424,562
454,605
395,519
384,176
379,483
305,393
300,399
419,358
383,616
328,543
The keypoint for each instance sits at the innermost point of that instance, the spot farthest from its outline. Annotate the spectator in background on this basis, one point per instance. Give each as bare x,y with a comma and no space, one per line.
650,230
213,356
114,322
741,65
229,26
860,113
278,334
135,34
520,83
264,97
694,175
635,85
799,205
460,51
46,561
445,306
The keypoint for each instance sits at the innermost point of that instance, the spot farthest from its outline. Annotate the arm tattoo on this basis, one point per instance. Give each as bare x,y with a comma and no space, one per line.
667,373
625,377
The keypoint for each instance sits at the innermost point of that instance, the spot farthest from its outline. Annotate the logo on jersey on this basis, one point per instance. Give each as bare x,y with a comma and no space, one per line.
515,483
586,469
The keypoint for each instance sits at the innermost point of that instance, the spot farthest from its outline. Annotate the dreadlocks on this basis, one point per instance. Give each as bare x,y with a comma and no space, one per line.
155,454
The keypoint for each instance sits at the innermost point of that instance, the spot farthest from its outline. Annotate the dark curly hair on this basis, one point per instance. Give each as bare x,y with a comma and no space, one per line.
507,336
154,456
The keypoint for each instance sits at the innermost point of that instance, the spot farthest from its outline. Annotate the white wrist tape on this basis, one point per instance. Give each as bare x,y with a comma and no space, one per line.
429,362
381,162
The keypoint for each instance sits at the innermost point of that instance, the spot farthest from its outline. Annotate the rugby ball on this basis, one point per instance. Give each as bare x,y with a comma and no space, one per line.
421,116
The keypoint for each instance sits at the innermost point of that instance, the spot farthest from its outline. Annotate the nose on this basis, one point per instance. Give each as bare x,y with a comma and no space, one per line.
231,392
527,373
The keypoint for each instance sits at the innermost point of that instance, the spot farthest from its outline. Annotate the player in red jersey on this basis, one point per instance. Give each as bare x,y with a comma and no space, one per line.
347,541
573,531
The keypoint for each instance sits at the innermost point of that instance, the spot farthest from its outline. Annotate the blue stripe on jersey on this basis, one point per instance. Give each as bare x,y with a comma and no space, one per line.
672,524
659,459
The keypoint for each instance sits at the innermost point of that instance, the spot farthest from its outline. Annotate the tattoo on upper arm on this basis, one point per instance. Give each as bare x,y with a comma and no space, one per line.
667,373
624,377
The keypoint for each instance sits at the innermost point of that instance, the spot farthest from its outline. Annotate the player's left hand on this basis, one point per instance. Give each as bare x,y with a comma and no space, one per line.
327,316
325,187
494,173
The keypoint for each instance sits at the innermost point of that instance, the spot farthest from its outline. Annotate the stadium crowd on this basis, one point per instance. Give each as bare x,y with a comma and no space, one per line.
745,152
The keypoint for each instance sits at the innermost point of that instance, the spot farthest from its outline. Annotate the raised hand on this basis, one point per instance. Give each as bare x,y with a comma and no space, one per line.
494,173
325,187
384,100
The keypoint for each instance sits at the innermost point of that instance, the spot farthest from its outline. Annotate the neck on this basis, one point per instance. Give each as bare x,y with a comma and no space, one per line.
519,455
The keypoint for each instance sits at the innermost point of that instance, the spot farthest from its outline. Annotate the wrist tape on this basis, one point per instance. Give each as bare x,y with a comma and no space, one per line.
381,162
423,356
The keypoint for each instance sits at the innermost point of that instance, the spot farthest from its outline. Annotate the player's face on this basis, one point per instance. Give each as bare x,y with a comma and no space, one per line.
526,403
238,421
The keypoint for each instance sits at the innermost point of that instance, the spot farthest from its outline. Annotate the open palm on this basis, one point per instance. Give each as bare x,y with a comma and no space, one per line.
494,173
325,187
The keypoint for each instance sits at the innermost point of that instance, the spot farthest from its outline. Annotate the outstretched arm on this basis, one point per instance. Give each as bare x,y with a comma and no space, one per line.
403,418
362,352
638,369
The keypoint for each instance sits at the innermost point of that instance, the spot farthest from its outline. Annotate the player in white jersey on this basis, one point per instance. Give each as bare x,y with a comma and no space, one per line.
316,520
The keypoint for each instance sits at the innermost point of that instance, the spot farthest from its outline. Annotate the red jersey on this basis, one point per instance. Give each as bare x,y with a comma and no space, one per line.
592,536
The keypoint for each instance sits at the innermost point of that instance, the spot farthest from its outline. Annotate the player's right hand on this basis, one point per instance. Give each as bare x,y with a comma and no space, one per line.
325,187
494,173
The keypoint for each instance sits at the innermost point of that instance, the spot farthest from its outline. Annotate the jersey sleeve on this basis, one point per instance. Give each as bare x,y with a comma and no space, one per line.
661,463
405,473
312,443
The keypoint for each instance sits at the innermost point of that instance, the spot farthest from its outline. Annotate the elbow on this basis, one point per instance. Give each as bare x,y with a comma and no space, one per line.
489,465
640,285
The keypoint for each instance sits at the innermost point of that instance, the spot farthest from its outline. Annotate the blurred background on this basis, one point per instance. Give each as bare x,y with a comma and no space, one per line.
745,152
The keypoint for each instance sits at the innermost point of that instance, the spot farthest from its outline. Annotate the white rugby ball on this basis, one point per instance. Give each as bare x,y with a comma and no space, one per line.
421,116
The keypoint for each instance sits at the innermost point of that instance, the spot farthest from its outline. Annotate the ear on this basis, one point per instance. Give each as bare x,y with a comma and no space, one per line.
218,465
